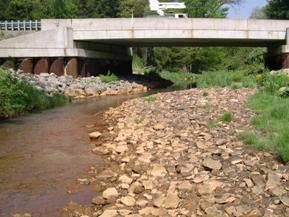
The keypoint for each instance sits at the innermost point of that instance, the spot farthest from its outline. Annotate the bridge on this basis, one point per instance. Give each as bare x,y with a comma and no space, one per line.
89,46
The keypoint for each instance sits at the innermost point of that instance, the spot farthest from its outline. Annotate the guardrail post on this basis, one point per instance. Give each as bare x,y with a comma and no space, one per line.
30,25
5,23
12,26
287,36
18,25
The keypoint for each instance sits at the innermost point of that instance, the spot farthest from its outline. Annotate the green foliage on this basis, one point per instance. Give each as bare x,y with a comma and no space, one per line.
108,78
209,8
272,83
205,94
272,119
227,117
236,85
139,120
127,8
150,98
254,140
212,123
17,97
181,80
277,9
22,9
223,78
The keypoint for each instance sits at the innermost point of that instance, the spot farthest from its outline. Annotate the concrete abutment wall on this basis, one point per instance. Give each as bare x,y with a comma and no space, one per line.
74,66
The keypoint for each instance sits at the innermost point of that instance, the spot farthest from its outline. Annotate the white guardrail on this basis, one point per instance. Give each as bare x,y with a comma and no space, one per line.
17,26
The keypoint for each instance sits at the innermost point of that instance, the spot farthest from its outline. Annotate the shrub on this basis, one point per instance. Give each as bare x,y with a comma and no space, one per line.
17,97
108,78
273,83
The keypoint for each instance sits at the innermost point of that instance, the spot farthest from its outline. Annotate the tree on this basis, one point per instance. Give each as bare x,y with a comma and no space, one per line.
127,8
209,8
64,9
23,10
3,11
103,8
277,9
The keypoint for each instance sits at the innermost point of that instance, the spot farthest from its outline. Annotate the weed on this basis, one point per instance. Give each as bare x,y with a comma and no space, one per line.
205,94
227,117
236,85
108,78
212,123
139,120
253,140
150,98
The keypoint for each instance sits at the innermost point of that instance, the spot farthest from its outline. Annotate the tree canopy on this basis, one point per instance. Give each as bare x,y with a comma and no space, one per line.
277,9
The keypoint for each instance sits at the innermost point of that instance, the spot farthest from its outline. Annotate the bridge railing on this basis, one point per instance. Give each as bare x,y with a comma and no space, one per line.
30,25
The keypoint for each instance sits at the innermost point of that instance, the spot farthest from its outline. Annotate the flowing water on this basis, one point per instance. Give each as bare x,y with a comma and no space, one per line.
42,155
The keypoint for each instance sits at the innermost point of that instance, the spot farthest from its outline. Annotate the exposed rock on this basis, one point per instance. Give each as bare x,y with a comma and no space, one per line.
212,164
172,200
158,170
128,201
94,135
110,193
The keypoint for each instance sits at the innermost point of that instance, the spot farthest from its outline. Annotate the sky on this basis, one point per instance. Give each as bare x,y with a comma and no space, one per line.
245,9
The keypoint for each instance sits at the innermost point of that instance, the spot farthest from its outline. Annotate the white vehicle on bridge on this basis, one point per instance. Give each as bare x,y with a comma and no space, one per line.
160,7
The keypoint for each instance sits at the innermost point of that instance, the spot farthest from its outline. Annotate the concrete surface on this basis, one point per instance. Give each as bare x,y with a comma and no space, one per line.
112,38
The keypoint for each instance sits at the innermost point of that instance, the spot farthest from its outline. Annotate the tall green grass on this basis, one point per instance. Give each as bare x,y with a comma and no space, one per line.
180,80
235,79
17,97
272,120
108,78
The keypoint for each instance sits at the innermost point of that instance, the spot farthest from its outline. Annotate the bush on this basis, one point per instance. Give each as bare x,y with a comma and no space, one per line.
273,83
17,97
108,78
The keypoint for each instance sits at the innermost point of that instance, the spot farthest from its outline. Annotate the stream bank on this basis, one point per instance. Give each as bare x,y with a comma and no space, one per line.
176,155
43,154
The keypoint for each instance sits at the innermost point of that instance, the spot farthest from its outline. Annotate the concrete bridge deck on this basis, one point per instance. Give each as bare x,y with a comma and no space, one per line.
111,39
171,31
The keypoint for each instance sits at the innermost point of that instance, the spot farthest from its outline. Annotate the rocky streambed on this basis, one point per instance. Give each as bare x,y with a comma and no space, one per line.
172,156
84,87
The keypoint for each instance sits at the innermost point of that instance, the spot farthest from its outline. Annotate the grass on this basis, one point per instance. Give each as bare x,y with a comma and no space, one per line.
227,117
108,78
205,94
254,140
139,120
233,79
272,120
150,98
18,97
212,123
181,80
